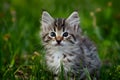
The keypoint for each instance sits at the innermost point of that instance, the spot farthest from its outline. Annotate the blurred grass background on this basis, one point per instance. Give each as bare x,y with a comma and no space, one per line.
21,53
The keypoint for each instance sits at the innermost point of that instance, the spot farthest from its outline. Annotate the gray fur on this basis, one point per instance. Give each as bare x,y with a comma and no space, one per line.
76,51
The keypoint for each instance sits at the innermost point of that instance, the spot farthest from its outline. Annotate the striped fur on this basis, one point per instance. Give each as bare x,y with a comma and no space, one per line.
66,45
59,23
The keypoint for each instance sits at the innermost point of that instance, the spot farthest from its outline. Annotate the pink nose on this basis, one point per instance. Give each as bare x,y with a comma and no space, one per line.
59,39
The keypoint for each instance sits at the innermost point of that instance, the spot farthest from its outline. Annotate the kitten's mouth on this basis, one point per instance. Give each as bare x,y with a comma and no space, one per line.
58,45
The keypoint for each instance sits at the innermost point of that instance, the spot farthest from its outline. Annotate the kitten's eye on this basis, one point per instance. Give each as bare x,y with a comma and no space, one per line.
52,34
65,34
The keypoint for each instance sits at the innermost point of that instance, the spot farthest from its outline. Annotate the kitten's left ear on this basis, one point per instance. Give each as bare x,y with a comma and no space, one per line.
73,19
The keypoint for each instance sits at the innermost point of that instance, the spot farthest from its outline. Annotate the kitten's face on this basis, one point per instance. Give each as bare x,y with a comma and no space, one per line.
60,32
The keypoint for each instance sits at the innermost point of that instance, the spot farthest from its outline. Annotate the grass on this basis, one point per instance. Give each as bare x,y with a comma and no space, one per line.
21,51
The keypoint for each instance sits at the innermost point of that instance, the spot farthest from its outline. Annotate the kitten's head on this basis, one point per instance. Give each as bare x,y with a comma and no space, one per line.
60,31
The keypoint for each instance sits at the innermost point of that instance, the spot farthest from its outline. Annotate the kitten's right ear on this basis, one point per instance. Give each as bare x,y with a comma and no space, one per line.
46,19
73,19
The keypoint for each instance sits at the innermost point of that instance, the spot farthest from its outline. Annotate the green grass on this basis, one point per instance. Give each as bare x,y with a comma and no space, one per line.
21,51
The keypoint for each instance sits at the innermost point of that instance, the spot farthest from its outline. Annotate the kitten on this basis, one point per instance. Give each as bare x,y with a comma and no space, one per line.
67,46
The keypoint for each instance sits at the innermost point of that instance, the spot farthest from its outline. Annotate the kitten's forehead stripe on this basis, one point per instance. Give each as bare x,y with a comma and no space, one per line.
54,29
59,23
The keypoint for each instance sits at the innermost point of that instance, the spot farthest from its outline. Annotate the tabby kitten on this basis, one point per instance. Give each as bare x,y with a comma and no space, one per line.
67,46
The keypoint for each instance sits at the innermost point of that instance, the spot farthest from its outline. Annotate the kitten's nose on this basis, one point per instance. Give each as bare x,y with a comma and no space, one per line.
58,41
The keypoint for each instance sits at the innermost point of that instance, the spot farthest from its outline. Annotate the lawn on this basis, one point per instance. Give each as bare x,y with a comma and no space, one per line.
21,51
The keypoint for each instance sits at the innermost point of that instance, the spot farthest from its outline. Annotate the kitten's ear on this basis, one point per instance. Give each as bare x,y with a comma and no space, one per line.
46,19
73,19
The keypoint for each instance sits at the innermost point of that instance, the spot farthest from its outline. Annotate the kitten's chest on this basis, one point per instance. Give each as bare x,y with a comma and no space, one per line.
56,58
